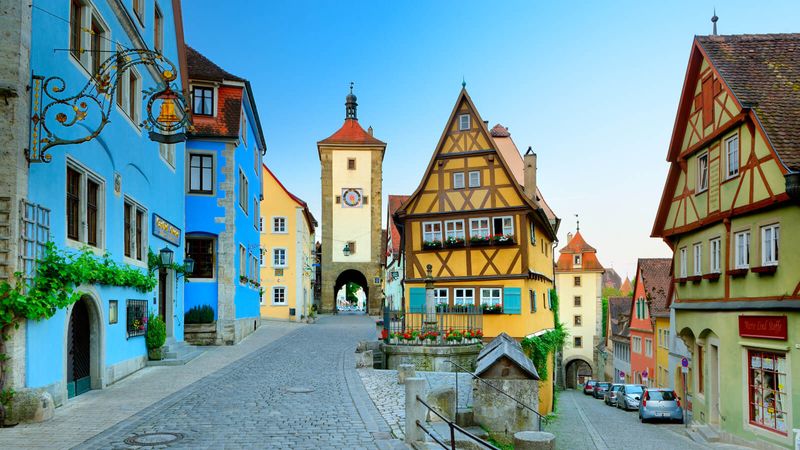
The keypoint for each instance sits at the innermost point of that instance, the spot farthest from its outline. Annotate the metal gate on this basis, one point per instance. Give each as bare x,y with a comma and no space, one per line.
79,378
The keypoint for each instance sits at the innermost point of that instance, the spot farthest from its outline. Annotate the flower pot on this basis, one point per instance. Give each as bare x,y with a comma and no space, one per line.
479,243
155,354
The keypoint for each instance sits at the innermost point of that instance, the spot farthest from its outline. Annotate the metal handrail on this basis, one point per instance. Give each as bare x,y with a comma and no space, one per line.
540,418
453,427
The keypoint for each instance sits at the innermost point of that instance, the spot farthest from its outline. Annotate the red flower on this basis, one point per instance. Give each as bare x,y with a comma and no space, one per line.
384,333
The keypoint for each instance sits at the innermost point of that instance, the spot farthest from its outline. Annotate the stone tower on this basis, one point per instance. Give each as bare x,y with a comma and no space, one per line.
352,173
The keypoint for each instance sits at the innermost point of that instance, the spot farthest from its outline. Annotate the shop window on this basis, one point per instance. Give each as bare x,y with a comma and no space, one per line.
767,383
201,250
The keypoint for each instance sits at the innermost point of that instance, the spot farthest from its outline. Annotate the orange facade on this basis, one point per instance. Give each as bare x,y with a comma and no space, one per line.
643,353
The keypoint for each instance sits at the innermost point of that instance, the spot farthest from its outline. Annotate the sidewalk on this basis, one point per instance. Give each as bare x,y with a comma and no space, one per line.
91,413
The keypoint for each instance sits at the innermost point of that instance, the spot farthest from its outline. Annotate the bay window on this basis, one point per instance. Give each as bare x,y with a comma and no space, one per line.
767,390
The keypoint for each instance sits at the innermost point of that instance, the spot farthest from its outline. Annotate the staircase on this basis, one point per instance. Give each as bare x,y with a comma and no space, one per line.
177,354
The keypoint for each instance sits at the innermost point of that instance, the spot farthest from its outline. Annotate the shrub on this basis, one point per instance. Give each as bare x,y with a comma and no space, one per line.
156,332
199,314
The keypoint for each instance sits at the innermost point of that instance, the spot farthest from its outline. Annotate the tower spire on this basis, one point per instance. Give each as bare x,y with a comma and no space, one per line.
578,223
350,105
714,20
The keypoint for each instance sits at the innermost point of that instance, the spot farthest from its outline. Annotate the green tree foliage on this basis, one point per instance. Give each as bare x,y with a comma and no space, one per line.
199,314
609,292
605,317
539,347
352,288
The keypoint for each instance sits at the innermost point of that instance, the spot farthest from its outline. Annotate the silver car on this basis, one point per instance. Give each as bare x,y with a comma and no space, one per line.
660,404
612,394
628,397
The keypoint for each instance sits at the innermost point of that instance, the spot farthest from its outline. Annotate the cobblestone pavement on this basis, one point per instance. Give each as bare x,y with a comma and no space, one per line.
586,423
389,396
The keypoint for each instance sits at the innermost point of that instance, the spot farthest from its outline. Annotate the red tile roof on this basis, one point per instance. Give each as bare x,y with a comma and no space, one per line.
763,71
312,222
657,277
499,131
351,133
619,315
201,68
577,245
626,288
395,202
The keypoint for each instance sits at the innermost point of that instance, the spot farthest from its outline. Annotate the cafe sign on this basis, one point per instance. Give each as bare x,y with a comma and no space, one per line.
763,327
165,230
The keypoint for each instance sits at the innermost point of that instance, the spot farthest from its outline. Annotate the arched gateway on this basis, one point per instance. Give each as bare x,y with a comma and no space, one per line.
342,291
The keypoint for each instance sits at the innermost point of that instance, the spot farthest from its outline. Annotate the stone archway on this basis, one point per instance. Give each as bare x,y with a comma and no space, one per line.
576,371
84,345
356,277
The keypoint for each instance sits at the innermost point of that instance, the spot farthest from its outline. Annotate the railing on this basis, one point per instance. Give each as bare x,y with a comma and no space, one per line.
539,418
453,427
460,319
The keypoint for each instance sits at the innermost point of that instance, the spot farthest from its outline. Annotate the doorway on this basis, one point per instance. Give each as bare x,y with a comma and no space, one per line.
79,356
165,289
713,383
351,293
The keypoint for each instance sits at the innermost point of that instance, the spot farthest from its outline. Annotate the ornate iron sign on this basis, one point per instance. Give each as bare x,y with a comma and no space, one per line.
56,114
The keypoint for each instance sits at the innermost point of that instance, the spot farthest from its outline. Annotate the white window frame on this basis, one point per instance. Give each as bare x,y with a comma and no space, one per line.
83,226
458,180
167,154
576,260
697,259
637,344
702,172
432,231
682,261
158,28
261,258
438,298
489,298
732,143
473,230
467,297
133,115
770,246
648,347
243,191
474,178
464,122
279,230
242,262
450,230
284,292
741,241
714,254
136,207
507,228
256,218
275,260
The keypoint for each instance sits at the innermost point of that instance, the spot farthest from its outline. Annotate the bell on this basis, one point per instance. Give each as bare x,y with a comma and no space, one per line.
167,115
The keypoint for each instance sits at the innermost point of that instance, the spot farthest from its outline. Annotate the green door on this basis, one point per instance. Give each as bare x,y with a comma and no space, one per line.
79,379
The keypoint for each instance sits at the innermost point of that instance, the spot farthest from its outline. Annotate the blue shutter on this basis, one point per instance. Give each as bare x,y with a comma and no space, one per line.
512,303
416,301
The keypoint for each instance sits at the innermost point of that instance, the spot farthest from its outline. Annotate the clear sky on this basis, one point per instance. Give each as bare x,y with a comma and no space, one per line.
593,88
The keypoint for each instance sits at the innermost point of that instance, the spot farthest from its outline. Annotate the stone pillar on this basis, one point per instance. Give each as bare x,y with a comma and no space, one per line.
227,276
415,411
534,440
404,372
430,301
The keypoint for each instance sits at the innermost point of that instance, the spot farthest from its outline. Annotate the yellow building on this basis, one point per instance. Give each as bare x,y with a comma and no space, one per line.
662,351
287,252
478,219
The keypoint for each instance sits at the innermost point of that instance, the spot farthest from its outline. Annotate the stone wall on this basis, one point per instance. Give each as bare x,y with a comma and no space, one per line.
226,251
430,358
200,333
500,415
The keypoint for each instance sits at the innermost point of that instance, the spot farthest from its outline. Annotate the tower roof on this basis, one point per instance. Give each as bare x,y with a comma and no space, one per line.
351,133
626,287
577,246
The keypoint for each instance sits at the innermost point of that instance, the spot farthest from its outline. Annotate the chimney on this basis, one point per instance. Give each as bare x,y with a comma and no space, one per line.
369,130
569,237
530,175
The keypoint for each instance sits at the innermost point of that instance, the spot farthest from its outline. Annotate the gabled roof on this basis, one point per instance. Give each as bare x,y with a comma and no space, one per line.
619,316
611,278
351,133
202,68
312,222
763,71
577,245
626,287
656,276
506,348
395,202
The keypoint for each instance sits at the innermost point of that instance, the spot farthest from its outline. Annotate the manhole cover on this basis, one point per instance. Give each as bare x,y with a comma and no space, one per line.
299,390
154,438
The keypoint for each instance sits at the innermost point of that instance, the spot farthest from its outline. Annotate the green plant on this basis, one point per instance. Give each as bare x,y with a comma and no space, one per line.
199,314
156,332
540,347
154,263
605,317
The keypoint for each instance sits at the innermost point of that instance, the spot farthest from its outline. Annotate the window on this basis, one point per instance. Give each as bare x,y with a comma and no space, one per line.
279,224
491,297
742,256
532,295
97,42
201,173
577,301
682,256
203,101
479,228
732,153
503,225
243,128
201,250
769,245
454,229
261,224
431,231
84,206
464,297
242,263
648,347
637,344
243,196
458,180
167,153
463,122
715,252
533,233
576,260
279,257
261,257
700,369
138,8
135,225
135,317
352,246
577,342
351,164
158,30
475,178
577,320
702,172
278,295
767,396
577,281
256,219
697,251
75,32
338,199
441,296
134,90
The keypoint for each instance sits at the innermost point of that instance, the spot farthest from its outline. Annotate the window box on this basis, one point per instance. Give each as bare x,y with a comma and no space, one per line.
503,239
681,280
492,309
243,279
736,273
431,245
694,278
452,242
478,241
765,270
711,276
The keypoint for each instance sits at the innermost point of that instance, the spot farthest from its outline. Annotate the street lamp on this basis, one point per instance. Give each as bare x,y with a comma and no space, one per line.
166,255
346,250
188,265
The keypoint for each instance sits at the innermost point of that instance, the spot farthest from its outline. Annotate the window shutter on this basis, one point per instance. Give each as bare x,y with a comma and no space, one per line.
416,302
511,301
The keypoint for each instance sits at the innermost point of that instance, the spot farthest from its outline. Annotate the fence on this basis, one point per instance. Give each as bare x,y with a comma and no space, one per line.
448,318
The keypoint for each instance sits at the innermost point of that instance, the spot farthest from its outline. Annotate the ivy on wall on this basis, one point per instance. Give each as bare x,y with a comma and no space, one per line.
539,347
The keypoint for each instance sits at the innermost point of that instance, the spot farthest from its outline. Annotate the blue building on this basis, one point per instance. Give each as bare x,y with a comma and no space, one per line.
118,193
223,191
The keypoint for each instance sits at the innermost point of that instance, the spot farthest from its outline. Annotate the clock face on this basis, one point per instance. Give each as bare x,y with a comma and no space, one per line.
351,197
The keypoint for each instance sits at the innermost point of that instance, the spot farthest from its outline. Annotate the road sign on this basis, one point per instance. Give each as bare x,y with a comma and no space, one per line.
621,375
684,369
684,362
644,374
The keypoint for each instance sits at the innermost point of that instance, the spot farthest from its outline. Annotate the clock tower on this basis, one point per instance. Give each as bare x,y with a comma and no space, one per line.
352,172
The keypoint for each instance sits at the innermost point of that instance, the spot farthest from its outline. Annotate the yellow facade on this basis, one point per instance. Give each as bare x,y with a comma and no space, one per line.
662,352
287,227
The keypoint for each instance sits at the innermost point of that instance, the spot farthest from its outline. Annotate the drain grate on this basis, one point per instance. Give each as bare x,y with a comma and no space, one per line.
299,390
147,439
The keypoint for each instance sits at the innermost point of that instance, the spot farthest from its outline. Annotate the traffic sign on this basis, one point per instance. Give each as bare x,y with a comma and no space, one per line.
684,369
684,362
644,374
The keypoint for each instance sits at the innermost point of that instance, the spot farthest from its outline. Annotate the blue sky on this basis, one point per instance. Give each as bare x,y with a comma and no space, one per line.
593,88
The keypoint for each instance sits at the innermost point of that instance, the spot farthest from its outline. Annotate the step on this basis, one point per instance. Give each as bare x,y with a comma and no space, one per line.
708,433
443,430
178,359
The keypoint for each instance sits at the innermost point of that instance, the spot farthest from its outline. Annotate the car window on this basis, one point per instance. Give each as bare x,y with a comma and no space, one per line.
616,388
590,383
604,385
633,389
661,395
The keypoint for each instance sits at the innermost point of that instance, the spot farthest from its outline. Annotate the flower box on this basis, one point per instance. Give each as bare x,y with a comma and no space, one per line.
494,309
478,241
681,280
736,273
765,270
431,245
454,242
695,278
500,239
711,276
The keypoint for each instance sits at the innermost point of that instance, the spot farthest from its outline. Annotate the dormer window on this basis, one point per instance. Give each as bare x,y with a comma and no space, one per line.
203,101
576,260
463,122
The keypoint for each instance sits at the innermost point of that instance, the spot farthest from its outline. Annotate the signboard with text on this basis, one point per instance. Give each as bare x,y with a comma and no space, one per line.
763,327
165,230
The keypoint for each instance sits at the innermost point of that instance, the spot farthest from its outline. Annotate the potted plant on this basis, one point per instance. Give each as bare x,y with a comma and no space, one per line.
479,240
453,337
492,309
155,337
431,245
242,279
429,336
454,242
503,239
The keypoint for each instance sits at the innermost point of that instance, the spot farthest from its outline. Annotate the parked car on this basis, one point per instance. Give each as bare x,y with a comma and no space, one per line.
600,389
612,394
629,396
660,404
588,387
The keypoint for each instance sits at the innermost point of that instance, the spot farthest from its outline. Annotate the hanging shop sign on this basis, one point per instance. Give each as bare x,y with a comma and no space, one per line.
165,230
763,327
